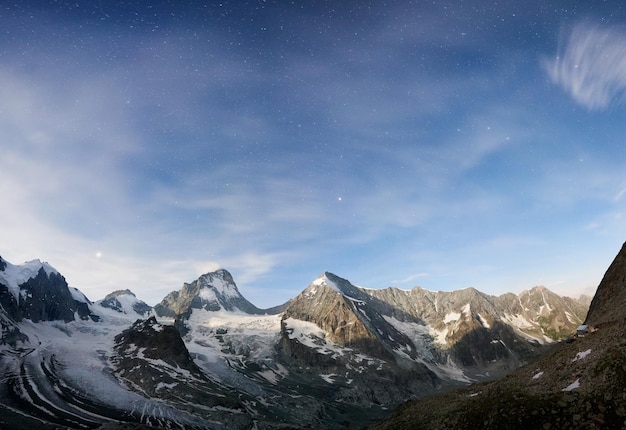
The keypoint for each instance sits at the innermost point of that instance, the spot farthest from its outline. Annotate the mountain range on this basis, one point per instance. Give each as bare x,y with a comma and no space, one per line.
577,384
335,356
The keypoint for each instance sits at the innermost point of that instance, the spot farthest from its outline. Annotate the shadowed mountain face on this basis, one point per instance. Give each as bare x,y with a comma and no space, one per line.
37,292
609,303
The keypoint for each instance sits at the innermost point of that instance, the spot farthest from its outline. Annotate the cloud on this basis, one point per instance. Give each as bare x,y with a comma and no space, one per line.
410,278
591,66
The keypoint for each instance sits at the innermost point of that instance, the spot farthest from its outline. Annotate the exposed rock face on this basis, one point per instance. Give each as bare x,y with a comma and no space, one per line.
153,360
331,304
213,292
609,303
537,313
556,317
149,339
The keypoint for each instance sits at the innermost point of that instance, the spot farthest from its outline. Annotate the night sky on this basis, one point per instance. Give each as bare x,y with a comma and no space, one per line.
440,144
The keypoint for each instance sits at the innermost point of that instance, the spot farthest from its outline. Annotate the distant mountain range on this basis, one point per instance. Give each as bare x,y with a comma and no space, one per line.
577,384
335,356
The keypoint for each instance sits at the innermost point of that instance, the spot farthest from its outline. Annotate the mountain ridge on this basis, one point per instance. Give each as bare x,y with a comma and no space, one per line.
337,355
576,384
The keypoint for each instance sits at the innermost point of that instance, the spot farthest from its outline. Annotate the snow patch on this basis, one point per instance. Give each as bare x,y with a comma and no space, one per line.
307,333
329,378
467,310
537,375
273,376
225,289
520,321
582,355
439,335
571,318
483,321
15,275
323,280
420,335
78,295
451,317
572,386
207,294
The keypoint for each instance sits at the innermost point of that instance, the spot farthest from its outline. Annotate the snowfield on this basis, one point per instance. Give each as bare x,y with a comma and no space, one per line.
77,355
14,275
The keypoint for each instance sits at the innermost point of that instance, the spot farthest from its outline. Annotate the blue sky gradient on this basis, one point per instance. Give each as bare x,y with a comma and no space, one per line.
440,144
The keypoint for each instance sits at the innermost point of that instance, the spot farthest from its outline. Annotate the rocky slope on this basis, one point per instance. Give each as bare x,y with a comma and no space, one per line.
609,303
578,384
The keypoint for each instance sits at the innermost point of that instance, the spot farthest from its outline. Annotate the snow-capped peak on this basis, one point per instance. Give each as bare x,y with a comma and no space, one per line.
323,280
220,282
15,275
125,302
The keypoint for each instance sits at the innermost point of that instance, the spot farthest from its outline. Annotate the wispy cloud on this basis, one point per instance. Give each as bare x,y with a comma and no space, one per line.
591,65
388,146
410,278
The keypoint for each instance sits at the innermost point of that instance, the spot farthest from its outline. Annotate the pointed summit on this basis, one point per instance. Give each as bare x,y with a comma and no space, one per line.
212,291
335,283
125,302
348,315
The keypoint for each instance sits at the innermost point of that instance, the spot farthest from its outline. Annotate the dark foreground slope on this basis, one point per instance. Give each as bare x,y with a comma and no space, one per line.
579,384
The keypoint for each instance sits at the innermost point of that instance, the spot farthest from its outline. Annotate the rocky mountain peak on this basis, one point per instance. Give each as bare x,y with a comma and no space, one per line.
335,283
334,304
219,282
212,291
609,303
125,302
36,291
118,293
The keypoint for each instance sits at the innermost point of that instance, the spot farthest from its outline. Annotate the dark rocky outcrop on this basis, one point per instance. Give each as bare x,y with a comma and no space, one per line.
11,334
609,303
157,342
45,297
